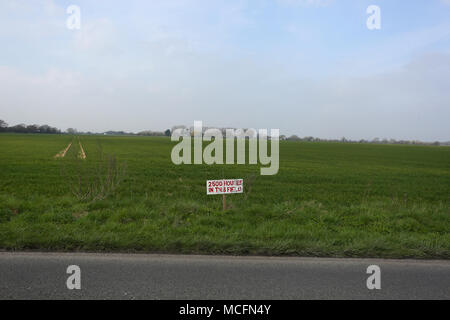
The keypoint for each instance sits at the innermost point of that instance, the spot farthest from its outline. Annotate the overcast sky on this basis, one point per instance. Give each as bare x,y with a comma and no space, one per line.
307,67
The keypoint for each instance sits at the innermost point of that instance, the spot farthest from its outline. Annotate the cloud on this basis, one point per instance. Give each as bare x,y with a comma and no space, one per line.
31,19
393,51
37,98
172,62
408,103
95,35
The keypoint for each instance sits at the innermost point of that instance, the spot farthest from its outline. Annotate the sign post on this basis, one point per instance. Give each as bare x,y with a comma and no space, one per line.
224,187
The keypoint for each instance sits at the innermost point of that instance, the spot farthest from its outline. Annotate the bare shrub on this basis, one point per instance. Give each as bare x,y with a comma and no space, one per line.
249,180
95,179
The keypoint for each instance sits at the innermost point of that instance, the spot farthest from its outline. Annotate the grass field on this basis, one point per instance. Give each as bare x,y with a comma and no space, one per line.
328,199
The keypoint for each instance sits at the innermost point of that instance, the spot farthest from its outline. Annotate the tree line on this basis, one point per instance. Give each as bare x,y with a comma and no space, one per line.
374,141
34,128
23,128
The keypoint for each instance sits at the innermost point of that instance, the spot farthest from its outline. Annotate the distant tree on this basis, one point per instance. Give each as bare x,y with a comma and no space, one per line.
44,129
3,125
19,128
118,133
294,138
71,131
184,131
34,128
167,133
151,133
55,130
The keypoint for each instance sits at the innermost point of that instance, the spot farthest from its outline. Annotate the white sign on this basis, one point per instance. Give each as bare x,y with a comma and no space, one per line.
224,186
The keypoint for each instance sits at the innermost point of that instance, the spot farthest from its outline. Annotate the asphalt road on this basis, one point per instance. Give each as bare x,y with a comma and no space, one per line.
142,276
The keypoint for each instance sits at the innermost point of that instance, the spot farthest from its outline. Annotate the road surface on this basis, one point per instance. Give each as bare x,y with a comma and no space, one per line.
149,276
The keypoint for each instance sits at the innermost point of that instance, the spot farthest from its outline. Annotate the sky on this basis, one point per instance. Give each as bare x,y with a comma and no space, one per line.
306,67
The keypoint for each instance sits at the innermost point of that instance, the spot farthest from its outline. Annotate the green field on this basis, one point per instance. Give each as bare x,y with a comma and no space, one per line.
328,199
